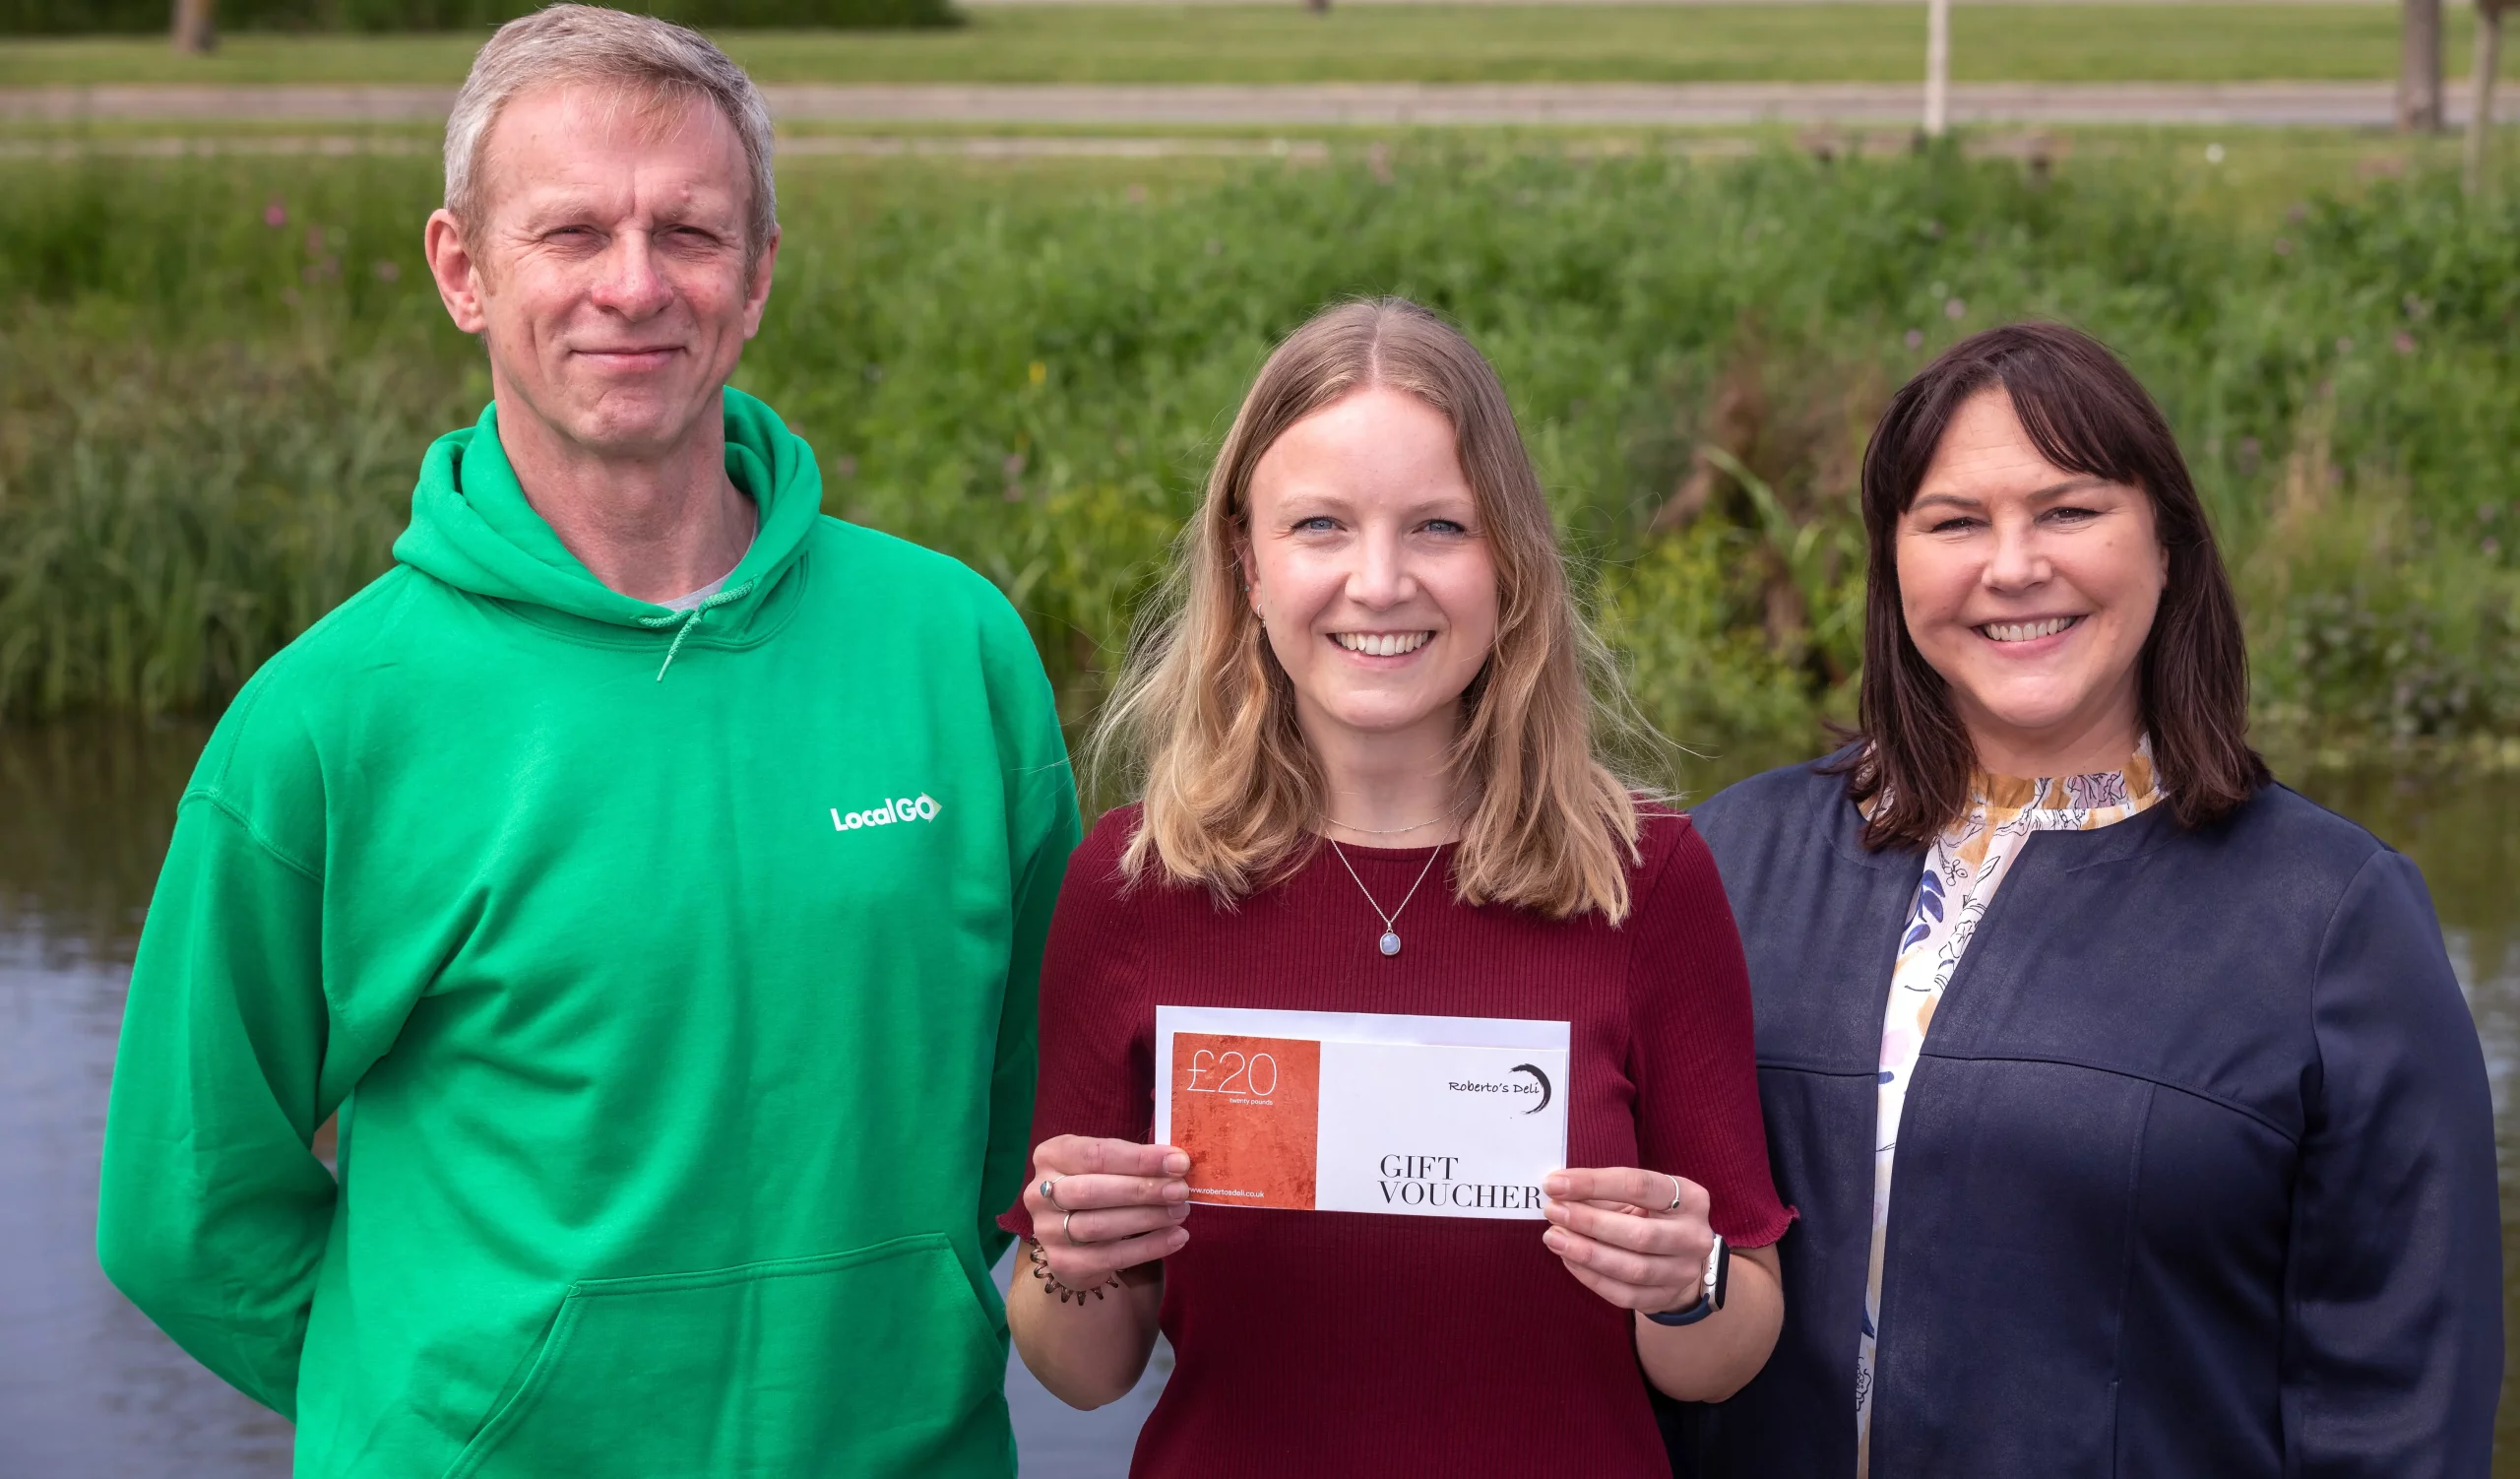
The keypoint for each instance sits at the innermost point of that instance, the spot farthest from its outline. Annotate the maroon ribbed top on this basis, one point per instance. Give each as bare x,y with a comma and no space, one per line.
1353,1343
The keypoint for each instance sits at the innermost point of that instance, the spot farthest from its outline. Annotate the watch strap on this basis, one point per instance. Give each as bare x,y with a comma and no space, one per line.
1711,1288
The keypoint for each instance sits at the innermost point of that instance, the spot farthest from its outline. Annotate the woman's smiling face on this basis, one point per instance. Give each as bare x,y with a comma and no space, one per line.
2031,590
1367,564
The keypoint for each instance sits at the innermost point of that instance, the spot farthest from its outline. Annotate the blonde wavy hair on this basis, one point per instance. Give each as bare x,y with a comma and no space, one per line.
1204,718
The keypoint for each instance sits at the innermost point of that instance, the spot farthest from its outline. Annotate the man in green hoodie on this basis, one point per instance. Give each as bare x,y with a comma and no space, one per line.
650,870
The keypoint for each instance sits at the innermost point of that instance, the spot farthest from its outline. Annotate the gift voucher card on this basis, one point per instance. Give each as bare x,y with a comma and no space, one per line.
1362,1112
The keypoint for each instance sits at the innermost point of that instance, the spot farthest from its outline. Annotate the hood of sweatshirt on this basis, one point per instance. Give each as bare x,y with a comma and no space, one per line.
472,528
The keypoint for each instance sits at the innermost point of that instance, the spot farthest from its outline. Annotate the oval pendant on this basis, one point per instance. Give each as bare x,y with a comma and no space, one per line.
1390,943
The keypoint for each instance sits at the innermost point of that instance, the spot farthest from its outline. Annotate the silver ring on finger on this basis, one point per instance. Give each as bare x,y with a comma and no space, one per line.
1073,1240
1050,1191
1675,1193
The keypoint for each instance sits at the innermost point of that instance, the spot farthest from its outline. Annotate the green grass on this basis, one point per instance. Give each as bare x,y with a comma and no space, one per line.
1283,43
208,424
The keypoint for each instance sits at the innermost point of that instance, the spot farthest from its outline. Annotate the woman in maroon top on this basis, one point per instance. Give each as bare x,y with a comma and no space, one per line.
1367,719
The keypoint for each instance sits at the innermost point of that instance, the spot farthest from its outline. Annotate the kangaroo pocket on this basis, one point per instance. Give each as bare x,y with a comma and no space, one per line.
878,1361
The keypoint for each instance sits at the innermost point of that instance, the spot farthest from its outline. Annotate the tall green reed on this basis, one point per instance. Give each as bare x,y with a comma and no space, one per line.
222,376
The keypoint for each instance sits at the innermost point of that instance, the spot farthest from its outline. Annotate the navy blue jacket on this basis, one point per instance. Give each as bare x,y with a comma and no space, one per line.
2196,1174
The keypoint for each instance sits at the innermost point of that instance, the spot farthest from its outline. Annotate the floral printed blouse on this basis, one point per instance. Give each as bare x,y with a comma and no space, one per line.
1962,872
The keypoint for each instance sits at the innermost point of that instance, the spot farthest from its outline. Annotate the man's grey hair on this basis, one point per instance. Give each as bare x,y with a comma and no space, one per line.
656,63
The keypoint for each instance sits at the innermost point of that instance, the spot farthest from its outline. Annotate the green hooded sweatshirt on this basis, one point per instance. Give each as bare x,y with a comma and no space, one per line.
672,975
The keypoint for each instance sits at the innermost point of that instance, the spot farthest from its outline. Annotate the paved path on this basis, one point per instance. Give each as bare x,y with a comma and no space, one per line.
1344,4
864,146
1367,104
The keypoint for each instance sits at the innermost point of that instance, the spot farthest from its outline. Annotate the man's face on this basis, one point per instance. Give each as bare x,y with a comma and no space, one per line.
607,276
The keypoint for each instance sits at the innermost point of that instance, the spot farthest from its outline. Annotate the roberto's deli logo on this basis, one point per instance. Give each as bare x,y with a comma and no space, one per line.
1358,1112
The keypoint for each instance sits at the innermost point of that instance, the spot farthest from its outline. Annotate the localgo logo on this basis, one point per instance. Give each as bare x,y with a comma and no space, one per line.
919,808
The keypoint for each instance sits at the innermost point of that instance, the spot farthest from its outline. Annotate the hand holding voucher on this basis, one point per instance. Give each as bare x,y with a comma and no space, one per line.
1639,1239
1100,1207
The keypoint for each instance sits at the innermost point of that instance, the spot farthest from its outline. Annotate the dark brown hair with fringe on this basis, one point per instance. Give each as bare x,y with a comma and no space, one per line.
2087,413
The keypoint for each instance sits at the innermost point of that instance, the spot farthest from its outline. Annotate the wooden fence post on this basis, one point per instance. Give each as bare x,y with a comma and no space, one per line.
1937,67
2488,61
2419,66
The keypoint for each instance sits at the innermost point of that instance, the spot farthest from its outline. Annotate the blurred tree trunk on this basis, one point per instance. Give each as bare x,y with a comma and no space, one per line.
2480,93
2419,66
196,31
1317,7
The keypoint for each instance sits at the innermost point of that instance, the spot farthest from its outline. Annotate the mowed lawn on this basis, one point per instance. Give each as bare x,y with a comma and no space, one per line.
1284,43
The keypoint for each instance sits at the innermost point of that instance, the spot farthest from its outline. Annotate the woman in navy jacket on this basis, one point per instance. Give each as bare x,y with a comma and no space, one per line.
2133,1110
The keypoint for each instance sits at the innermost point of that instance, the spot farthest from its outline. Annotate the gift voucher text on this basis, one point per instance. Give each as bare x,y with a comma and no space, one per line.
1363,1112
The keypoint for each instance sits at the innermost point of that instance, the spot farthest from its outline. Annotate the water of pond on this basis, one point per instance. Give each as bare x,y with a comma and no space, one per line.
89,1388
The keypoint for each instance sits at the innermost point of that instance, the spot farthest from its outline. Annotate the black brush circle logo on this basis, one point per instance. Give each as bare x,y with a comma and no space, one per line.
1546,1092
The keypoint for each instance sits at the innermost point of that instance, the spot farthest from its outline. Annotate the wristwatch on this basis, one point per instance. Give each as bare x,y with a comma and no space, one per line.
1719,1264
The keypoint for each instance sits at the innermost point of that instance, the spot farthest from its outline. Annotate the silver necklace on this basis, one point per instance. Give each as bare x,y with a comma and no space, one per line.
1390,941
